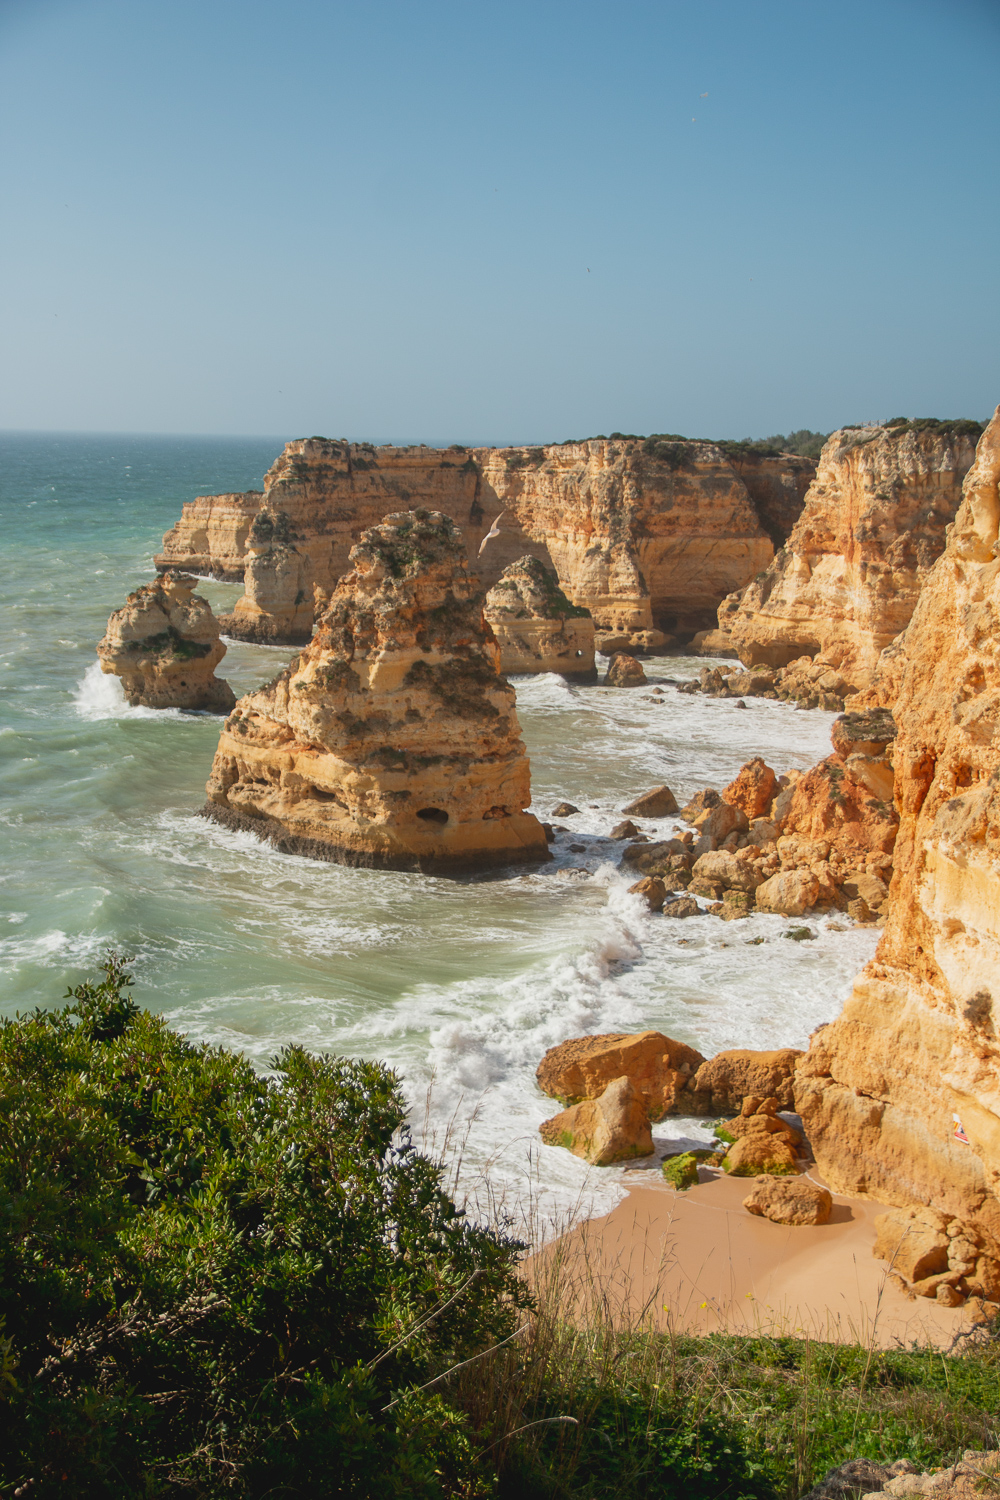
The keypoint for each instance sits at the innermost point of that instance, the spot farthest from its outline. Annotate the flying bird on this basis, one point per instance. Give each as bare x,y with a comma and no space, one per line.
702,96
491,534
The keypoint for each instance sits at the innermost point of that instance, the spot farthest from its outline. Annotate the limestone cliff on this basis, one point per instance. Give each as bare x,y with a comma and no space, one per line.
918,1043
277,602
391,741
164,646
872,526
536,627
644,534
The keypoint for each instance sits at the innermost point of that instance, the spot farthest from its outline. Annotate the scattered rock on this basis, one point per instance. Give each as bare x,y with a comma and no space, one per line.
164,646
626,830
681,1171
758,1153
681,906
577,848
798,934
564,810
927,1249
700,802
652,890
613,1127
789,1200
753,789
583,1067
789,893
662,857
659,803
624,672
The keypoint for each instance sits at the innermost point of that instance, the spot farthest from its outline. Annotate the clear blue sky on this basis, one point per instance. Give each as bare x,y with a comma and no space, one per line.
406,220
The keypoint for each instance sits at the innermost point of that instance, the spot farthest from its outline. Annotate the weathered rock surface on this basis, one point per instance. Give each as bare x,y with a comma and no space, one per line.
928,1250
760,1152
583,1067
277,602
659,803
652,890
789,1200
624,672
536,626
391,740
649,537
901,1094
730,1077
613,1127
753,790
872,526
164,646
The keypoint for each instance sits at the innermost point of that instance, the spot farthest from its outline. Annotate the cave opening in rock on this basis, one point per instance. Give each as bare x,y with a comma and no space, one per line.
433,814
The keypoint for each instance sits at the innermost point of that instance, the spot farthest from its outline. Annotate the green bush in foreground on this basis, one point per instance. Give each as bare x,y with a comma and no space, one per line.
215,1284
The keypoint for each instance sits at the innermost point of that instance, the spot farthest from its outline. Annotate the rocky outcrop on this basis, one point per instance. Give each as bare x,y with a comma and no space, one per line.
582,1068
391,741
938,1255
730,1077
613,1127
872,526
648,536
624,672
164,647
901,1094
537,628
277,602
806,683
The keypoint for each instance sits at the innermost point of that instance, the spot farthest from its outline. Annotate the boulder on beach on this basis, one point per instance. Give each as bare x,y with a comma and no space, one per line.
789,1200
582,1068
613,1127
624,672
928,1249
760,1152
681,906
659,803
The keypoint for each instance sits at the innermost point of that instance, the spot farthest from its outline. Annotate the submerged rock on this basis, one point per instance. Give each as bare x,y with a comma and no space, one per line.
536,626
164,646
391,741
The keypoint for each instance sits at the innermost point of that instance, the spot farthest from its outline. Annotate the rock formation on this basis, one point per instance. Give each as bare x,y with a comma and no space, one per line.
872,526
789,1200
164,646
391,741
938,1255
613,1127
277,603
582,1068
537,628
901,1095
649,536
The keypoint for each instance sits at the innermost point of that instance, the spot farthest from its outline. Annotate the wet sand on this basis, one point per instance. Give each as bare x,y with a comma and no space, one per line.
699,1262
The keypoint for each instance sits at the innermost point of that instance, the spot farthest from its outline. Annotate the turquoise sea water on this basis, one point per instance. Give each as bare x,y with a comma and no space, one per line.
462,984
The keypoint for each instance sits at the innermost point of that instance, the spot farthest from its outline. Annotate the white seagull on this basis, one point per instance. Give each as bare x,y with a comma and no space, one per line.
491,534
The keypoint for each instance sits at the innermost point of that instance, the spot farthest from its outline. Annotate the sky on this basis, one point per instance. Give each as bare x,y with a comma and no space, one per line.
497,223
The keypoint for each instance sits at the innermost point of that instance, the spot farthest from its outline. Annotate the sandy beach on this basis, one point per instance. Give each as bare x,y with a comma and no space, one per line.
697,1261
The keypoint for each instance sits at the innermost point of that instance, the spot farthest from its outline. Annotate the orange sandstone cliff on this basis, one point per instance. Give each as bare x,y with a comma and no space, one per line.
391,741
537,628
901,1095
872,527
644,534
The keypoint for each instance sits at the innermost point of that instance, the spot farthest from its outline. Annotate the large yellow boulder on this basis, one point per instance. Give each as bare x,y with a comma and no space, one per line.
613,1128
656,1065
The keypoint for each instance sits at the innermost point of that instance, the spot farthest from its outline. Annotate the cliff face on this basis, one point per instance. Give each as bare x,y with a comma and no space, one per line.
776,486
918,1043
164,646
642,534
277,603
536,627
390,741
872,526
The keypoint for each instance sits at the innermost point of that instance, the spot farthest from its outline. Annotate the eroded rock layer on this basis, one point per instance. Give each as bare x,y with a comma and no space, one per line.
164,646
901,1095
391,740
536,626
649,536
277,603
872,526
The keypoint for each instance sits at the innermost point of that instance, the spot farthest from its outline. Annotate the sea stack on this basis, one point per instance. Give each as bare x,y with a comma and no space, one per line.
164,646
391,741
536,626
277,603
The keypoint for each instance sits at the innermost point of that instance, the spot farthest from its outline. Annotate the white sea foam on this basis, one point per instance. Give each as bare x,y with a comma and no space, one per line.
100,695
